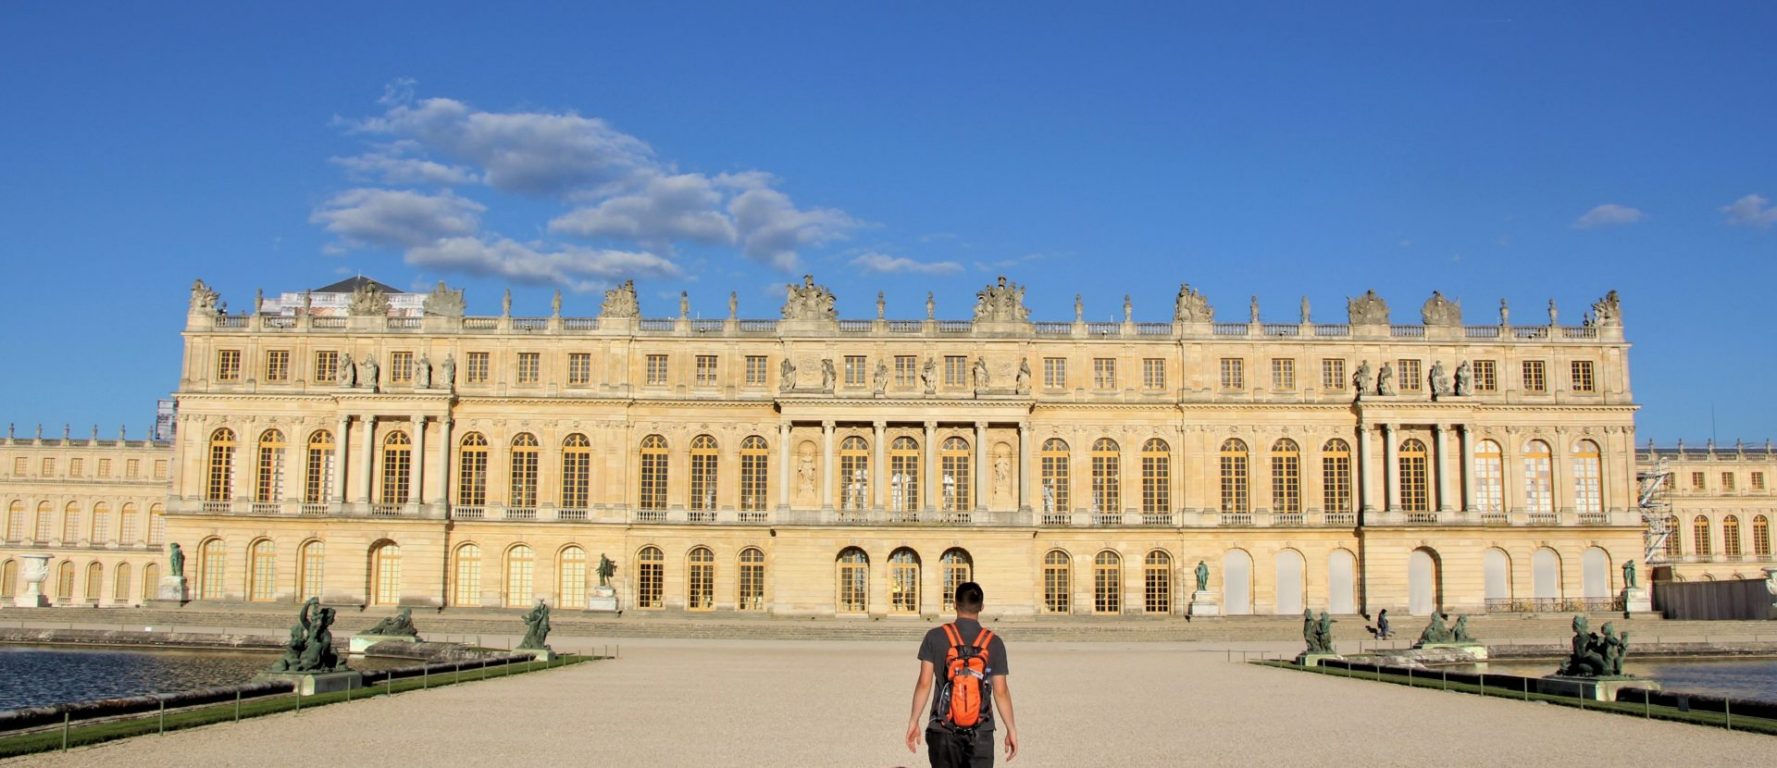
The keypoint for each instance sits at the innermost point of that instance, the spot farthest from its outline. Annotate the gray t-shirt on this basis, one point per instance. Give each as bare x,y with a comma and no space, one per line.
936,646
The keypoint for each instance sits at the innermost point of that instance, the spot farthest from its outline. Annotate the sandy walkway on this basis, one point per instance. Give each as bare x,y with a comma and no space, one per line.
752,703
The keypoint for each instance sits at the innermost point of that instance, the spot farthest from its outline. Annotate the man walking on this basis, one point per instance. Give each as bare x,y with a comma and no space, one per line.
969,663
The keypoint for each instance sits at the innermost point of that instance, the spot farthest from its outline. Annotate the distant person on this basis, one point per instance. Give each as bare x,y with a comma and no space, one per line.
1382,624
969,663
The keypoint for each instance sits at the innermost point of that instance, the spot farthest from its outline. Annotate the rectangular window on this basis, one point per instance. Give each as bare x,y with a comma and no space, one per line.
19,466
1758,481
476,370
1697,482
326,366
400,367
706,370
1486,376
530,367
160,469
1411,378
228,365
1054,373
1283,374
132,468
906,370
277,365
1233,373
956,371
1153,373
854,370
656,373
105,468
1104,373
49,468
755,370
1332,375
1582,376
77,466
579,369
1727,480
1535,376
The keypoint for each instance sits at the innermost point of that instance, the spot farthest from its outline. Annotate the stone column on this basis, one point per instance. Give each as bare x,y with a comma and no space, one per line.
419,461
879,468
369,458
1466,471
1025,473
1443,446
828,466
982,494
1366,469
444,462
340,439
783,465
1390,467
934,482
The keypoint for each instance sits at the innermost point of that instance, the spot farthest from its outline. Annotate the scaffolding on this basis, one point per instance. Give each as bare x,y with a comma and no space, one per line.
1655,510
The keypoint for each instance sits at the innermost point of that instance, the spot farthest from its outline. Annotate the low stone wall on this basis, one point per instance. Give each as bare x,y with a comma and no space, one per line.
138,639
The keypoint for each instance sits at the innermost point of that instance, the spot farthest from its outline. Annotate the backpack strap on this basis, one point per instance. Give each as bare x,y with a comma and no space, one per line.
984,641
954,635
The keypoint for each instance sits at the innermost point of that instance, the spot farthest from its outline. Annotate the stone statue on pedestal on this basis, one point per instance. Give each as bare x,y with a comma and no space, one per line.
175,561
606,570
1629,574
348,372
979,373
536,628
1385,380
1361,379
448,369
1464,380
928,375
371,372
1440,381
399,624
786,375
882,376
1023,381
931,307
422,373
828,375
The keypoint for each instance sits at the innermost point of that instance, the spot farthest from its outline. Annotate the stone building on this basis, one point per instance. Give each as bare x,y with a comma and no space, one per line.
1718,505
812,465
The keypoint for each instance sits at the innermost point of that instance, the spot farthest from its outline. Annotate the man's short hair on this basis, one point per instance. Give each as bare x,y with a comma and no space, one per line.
969,597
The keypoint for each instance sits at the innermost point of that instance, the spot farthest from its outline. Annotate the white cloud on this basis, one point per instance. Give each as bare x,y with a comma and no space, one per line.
1608,215
681,207
388,164
393,218
1751,211
772,229
581,269
881,262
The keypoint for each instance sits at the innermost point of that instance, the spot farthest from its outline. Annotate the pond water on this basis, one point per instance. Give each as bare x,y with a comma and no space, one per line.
1738,678
34,676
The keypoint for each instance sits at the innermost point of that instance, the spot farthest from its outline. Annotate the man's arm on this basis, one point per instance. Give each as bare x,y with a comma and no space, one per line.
921,689
1002,700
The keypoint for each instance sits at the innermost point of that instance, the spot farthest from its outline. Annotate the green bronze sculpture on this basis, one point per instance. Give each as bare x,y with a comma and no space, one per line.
536,627
1629,573
1435,631
1594,654
176,561
400,624
310,647
606,569
1202,573
1317,633
1459,632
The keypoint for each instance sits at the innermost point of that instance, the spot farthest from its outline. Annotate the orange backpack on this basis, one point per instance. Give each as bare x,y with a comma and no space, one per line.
963,700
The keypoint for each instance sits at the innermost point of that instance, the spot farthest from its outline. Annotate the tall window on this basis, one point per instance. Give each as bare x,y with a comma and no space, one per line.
1761,537
64,591
854,473
954,460
1107,476
9,579
397,467
150,581
756,370
754,470
1156,477
475,368
221,472
650,578
853,578
318,468
472,470
530,366
904,474
262,571
1539,491
210,562
751,585
467,587
400,367
522,481
1104,373
1730,537
1055,477
228,365
45,518
956,370
1057,582
1107,583
1415,492
1490,495
579,369
71,522
1286,477
128,527
656,370
1588,488
1054,372
94,574
1582,376
1233,373
903,581
1283,374
312,568
1535,376
700,579
1700,534
268,487
1234,477
157,525
1335,476
856,367
15,521
653,474
101,530
1157,582
277,365
1674,547
1332,375
326,366
385,573
906,370
1153,373
120,585
1486,376
706,370
576,471
521,567
1411,378
959,568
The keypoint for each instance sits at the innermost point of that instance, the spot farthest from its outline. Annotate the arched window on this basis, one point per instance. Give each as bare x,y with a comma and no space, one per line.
521,565
1157,581
570,577
101,531
1415,493
955,461
904,475
751,585
268,478
1058,582
1234,478
65,582
1156,477
1107,476
1490,494
120,585
754,474
317,482
71,523
262,571
385,573
221,471
397,468
959,568
522,479
312,565
1107,583
95,577
1761,537
1700,534
1588,485
157,525
210,564
150,581
1335,476
650,577
1539,482
703,472
128,527
1674,544
9,579
1056,483
653,474
700,579
1286,477
854,473
853,578
472,470
903,581
1730,537
468,577
576,472
45,519
15,521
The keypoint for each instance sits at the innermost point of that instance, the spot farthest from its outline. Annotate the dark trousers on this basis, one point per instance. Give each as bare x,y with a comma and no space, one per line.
959,749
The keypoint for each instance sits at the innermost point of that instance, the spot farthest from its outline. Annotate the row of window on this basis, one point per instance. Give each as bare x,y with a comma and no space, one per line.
62,588
1729,481
46,467
97,527
1702,537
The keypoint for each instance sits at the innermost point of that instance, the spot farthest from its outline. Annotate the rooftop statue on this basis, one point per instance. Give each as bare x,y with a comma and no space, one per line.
422,372
368,301
684,304
1002,302
1361,379
621,302
1305,317
809,301
1608,310
1441,311
1465,382
555,304
348,372
444,302
733,304
203,299
536,627
1192,307
1440,381
400,624
1368,309
1385,380
1505,313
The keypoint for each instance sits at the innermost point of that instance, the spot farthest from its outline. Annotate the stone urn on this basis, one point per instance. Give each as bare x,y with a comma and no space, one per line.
34,573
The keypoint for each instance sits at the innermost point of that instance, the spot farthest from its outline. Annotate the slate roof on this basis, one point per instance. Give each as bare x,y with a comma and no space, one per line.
351,285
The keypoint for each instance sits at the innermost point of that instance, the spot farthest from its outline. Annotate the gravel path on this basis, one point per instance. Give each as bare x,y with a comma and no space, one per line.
758,703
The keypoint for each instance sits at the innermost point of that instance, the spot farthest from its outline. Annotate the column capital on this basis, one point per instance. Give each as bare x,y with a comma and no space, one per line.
980,425
1387,427
828,423
879,425
931,425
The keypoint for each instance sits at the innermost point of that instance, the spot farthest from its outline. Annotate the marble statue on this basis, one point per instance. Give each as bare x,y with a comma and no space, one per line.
1465,382
448,370
1023,380
1459,632
203,298
555,304
1191,306
506,303
606,570
348,372
809,301
1048,498
370,375
1128,309
422,372
1435,631
1202,574
621,302
1608,310
1360,380
1440,311
175,561
1001,302
1629,574
1368,309
1002,475
881,306
805,473
1440,381
1305,318
1554,314
1252,306
928,375
1505,314
931,307
1079,309
882,376
536,628
786,375
733,305
1385,380
368,301
684,304
979,373
400,624
828,374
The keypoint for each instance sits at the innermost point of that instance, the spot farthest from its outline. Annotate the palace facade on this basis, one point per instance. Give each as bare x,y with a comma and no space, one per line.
812,465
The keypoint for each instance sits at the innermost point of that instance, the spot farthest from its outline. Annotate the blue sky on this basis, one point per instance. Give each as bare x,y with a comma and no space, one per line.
1488,150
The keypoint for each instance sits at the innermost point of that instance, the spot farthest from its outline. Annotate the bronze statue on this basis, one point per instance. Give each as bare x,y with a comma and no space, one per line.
401,624
310,647
176,560
1435,631
606,569
536,627
1202,573
1459,632
1590,651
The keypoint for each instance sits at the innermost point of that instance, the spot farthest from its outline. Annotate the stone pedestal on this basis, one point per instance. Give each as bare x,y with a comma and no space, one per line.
362,642
1314,659
1475,650
540,654
603,600
171,588
1594,688
1637,600
311,683
33,574
1203,603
